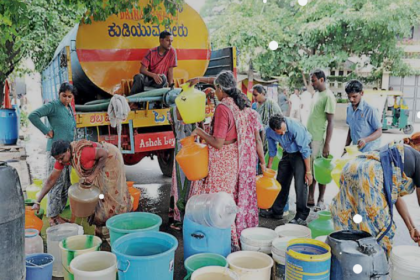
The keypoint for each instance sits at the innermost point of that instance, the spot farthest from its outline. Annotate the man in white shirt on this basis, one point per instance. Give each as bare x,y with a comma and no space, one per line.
295,106
306,101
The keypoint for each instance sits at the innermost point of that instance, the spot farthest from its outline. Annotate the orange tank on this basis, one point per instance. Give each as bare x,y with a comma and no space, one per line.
267,189
135,193
110,51
193,159
32,221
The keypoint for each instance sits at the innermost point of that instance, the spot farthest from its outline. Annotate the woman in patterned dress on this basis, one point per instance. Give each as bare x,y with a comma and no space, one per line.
234,143
370,185
100,164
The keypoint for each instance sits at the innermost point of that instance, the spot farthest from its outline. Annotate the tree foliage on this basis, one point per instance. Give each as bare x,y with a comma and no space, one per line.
34,28
324,33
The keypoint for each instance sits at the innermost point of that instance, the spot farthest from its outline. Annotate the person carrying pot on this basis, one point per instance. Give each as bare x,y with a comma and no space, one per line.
99,164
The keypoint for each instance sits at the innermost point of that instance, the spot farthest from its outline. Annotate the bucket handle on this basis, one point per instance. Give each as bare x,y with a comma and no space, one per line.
126,269
33,264
188,277
198,235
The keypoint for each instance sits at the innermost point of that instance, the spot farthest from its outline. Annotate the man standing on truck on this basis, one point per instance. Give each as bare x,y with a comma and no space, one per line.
157,66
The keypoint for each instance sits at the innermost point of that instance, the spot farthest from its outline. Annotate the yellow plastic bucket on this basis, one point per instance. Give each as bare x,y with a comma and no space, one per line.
191,104
336,175
33,189
44,201
74,178
74,246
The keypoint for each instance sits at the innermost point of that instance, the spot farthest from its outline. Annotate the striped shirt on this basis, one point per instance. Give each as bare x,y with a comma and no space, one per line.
160,64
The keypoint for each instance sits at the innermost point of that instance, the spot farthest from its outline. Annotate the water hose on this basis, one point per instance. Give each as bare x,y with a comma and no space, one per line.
166,95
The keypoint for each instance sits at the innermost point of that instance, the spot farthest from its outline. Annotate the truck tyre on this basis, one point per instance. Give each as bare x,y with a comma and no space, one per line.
408,129
166,162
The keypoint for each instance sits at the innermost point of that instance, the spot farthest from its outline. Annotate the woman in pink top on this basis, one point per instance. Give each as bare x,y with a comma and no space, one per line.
234,143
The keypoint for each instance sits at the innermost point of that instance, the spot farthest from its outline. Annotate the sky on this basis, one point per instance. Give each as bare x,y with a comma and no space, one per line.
196,4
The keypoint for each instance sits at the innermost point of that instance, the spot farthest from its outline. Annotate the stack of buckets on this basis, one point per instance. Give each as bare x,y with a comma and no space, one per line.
257,239
140,248
278,251
75,246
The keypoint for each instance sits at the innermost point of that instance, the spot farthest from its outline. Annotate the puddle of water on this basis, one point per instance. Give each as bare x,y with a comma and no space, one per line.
151,191
154,197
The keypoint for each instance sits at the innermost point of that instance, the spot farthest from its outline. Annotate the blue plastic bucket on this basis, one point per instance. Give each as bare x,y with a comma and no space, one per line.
201,239
308,259
145,255
39,266
123,224
9,132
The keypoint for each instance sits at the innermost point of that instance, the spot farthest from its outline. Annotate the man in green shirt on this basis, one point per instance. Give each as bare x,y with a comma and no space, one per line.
320,125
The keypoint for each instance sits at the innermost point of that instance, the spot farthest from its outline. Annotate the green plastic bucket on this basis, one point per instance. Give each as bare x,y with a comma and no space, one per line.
203,260
276,159
123,224
322,169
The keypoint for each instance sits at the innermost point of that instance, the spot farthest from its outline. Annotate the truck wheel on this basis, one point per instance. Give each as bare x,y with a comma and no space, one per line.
166,162
408,129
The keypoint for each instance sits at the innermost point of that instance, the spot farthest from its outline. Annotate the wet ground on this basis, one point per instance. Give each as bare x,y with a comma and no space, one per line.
155,189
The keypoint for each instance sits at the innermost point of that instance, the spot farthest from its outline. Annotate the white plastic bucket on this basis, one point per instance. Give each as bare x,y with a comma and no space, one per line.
55,235
246,247
405,263
322,238
279,248
214,273
295,231
257,239
278,251
95,265
251,265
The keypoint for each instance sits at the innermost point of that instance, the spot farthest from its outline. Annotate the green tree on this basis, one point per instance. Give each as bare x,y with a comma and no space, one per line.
324,33
34,28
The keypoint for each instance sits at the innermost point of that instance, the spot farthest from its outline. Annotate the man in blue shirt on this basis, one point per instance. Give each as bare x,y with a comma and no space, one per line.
365,127
295,163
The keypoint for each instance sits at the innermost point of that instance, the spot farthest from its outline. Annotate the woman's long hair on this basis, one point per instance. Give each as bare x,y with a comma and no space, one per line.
227,82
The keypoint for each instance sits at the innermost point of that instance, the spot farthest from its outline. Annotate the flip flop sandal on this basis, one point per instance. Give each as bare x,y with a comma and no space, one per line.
310,204
176,226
